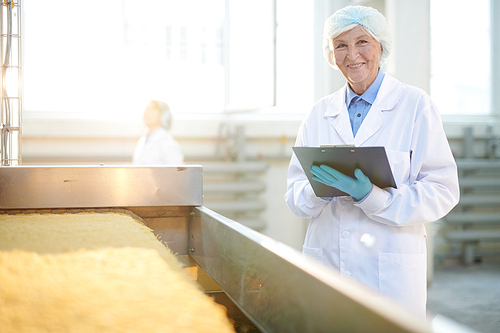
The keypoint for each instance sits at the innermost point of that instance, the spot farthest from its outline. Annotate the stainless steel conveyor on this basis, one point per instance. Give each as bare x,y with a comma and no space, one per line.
276,287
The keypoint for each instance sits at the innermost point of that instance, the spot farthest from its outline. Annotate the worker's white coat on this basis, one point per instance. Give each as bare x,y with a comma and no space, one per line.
158,147
381,240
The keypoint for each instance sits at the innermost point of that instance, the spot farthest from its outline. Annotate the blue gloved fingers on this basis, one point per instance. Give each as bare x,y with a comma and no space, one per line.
321,173
360,175
357,187
323,180
335,173
322,176
363,185
340,176
327,176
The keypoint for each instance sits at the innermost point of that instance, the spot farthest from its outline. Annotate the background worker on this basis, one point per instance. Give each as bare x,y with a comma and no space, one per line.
157,146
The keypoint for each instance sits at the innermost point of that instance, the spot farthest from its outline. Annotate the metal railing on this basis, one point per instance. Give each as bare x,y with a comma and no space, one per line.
11,75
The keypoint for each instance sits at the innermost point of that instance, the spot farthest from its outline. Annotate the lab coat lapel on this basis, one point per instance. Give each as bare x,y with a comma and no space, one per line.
371,124
338,117
388,96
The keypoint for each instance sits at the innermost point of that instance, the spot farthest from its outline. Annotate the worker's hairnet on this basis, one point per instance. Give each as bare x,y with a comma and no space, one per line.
165,114
348,18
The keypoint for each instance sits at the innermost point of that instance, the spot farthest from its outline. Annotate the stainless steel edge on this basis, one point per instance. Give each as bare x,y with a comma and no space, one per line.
281,290
26,187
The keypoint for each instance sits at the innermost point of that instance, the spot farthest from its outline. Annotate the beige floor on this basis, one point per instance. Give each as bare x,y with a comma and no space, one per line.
469,295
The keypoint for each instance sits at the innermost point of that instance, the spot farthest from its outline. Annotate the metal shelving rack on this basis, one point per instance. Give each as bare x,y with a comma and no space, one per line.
11,78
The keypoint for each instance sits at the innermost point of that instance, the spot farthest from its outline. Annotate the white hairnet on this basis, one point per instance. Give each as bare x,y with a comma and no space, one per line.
165,114
348,18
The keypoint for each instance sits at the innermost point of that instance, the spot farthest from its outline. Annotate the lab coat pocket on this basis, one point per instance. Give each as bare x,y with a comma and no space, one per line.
400,165
312,252
403,278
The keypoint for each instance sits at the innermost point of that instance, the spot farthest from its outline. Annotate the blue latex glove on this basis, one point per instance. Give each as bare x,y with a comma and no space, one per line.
357,188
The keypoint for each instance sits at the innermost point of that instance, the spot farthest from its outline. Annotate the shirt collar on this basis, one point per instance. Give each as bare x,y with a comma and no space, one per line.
370,94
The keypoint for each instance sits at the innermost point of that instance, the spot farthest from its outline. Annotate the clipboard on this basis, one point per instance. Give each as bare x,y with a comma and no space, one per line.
371,160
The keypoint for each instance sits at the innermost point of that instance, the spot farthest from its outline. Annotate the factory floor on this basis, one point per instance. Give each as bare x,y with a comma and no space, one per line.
469,295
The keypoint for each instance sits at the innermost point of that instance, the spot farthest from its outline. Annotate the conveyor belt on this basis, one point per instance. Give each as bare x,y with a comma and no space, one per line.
277,288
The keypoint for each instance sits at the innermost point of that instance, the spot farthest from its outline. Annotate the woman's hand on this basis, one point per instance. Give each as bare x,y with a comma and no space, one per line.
357,188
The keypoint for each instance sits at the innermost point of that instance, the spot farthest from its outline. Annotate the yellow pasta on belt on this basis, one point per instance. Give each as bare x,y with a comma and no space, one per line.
96,272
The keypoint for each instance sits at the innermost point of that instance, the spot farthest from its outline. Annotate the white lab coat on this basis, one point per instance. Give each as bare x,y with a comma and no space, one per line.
157,147
380,241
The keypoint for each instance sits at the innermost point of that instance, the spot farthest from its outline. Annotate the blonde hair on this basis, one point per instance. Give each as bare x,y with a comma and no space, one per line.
165,114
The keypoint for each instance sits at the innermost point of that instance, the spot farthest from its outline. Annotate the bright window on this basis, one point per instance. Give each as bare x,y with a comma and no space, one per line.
461,56
108,58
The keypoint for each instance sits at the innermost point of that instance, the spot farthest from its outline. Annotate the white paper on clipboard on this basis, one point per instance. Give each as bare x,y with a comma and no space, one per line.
371,160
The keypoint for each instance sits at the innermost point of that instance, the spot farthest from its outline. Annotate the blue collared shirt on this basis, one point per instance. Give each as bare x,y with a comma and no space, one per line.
358,106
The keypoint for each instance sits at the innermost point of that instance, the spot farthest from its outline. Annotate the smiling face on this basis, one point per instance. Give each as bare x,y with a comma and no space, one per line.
357,54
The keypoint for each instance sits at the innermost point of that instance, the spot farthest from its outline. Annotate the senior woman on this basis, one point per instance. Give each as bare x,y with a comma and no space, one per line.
375,235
